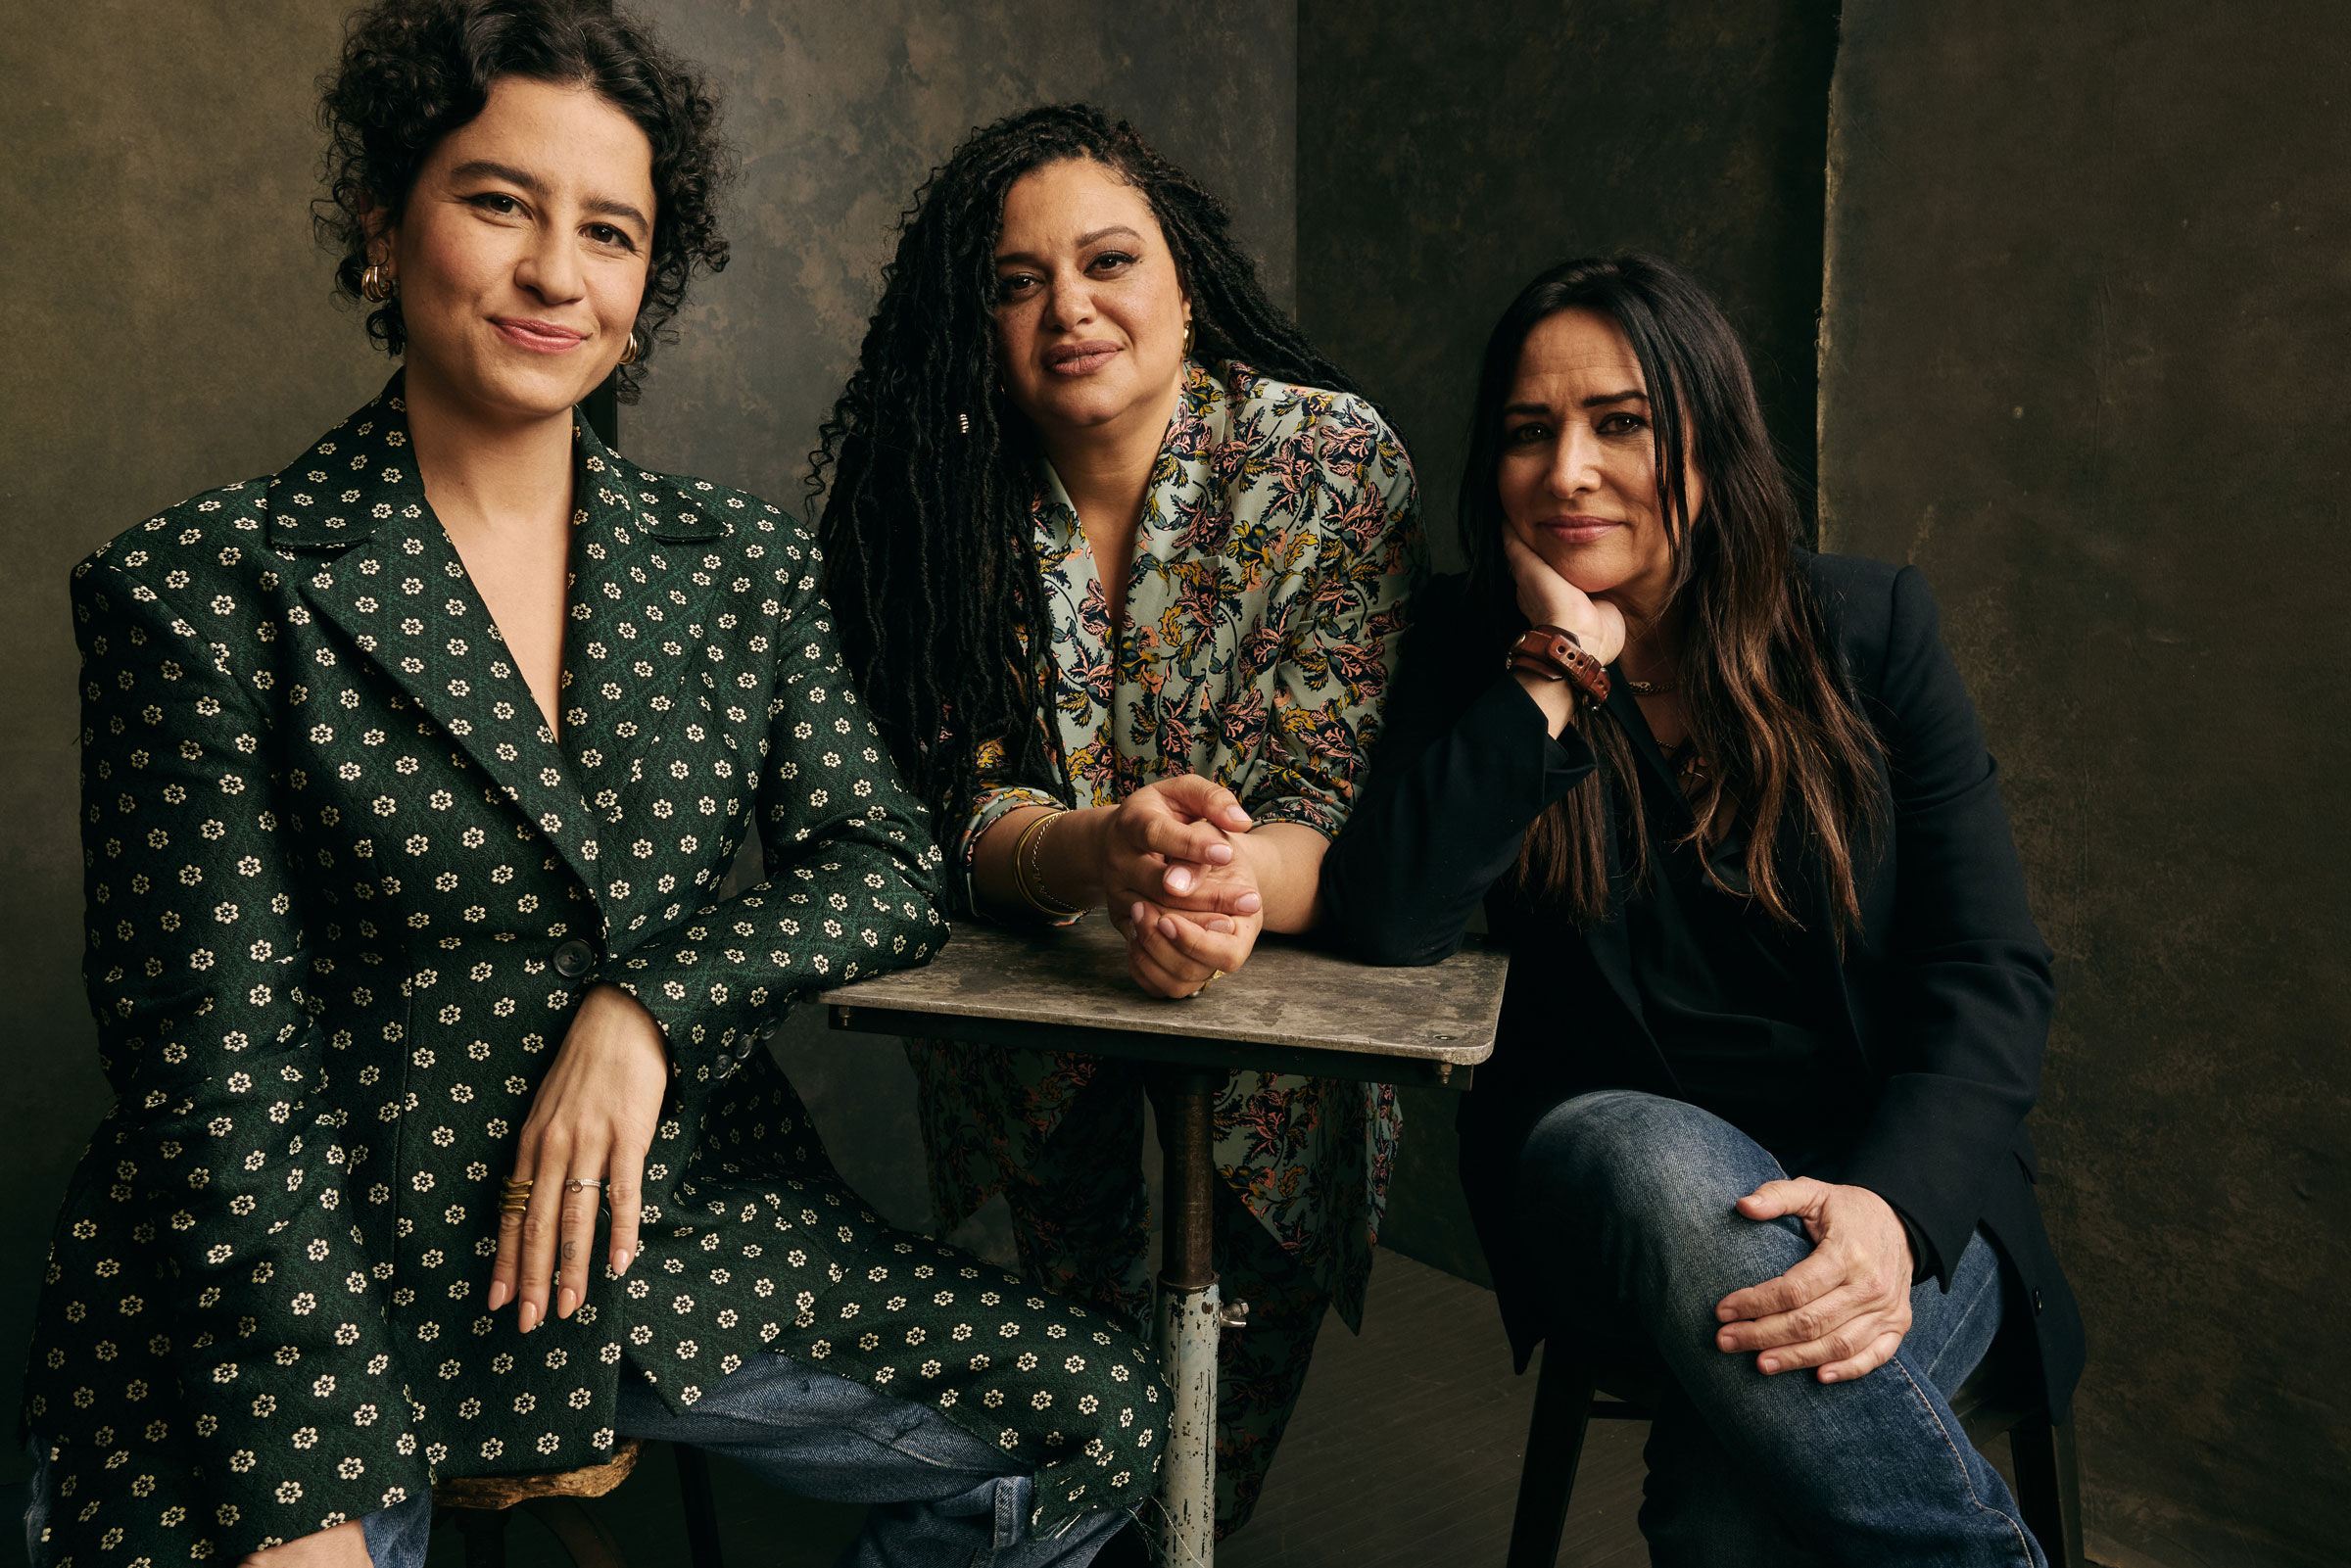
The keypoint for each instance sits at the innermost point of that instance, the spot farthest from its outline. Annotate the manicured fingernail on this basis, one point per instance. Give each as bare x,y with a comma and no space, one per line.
528,1316
1167,928
1179,879
1221,927
498,1294
1247,903
1219,854
1139,914
565,1301
620,1261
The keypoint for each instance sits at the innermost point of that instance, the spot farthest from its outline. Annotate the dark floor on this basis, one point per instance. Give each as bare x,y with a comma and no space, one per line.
1404,1454
1407,1444
1405,1450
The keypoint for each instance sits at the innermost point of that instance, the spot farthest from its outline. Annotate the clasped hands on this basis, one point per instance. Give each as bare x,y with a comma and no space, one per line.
1180,880
1846,1308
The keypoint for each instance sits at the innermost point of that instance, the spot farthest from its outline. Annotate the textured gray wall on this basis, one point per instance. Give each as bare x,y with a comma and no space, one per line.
170,328
1443,159
841,111
2088,358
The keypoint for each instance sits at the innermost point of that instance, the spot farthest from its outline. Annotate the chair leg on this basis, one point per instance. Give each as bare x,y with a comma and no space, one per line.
1554,1442
581,1534
2048,1488
483,1531
701,1509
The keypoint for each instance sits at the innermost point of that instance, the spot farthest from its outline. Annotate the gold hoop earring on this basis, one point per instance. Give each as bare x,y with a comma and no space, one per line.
628,356
1187,339
376,285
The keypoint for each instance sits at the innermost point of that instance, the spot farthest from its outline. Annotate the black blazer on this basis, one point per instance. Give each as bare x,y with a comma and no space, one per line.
1945,989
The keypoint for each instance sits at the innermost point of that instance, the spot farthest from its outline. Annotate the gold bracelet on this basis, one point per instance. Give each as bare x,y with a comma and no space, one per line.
1027,868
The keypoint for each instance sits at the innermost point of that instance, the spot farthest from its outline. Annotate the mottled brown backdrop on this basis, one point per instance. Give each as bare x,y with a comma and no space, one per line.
2088,355
2085,360
169,328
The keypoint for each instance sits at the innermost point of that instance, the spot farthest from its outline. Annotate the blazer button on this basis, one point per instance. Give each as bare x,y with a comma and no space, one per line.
725,1064
574,959
768,1032
2037,1300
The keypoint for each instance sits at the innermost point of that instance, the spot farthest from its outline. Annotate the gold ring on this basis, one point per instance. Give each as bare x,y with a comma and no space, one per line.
1214,976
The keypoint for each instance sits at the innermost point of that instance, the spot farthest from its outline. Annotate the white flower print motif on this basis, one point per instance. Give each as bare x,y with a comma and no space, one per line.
345,895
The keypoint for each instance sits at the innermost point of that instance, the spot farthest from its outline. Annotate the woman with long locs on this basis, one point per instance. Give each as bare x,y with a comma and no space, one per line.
411,777
1123,561
1753,1126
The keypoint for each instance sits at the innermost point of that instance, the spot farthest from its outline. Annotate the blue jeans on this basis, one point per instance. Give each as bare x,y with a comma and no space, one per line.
1625,1199
937,1497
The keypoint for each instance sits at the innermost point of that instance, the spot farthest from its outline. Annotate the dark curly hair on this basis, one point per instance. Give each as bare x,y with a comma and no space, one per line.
413,71
926,471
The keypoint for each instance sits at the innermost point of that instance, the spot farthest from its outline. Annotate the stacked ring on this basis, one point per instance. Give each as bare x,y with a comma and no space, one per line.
515,1196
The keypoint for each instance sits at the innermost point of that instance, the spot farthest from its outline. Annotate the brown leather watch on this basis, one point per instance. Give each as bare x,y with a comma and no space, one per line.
1556,651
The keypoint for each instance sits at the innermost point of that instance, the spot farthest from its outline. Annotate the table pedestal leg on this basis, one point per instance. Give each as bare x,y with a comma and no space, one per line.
1189,1319
1187,1354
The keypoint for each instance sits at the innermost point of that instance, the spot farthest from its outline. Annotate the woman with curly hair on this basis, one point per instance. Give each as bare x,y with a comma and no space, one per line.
411,777
1121,560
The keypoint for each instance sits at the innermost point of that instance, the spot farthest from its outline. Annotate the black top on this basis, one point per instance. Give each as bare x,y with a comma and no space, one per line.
1929,1024
1716,977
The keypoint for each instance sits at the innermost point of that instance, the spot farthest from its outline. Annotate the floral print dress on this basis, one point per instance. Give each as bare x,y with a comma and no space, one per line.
1277,551
346,888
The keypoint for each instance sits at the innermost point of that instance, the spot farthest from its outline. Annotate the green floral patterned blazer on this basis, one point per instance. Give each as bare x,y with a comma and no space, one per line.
345,889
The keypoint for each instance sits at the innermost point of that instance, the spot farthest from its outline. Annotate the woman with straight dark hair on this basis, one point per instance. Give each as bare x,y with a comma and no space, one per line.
1122,560
1754,1122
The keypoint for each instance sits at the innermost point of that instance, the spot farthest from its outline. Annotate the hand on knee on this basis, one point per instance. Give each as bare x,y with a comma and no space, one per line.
1846,1308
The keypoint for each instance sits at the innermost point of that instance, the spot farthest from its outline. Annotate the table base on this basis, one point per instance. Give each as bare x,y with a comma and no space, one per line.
1189,1323
1189,1312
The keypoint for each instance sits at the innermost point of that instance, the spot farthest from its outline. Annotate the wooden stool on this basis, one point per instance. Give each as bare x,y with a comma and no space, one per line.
479,1506
2048,1484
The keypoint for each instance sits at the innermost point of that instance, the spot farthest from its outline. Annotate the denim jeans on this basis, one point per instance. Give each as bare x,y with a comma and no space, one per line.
1625,1199
937,1497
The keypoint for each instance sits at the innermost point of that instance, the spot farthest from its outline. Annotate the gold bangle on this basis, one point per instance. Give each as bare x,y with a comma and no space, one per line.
1027,864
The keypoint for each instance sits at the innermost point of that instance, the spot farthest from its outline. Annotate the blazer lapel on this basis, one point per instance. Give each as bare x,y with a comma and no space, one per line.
375,561
642,581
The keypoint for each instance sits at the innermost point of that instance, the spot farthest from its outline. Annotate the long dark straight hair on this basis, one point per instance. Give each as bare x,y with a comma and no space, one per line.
926,471
1764,696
